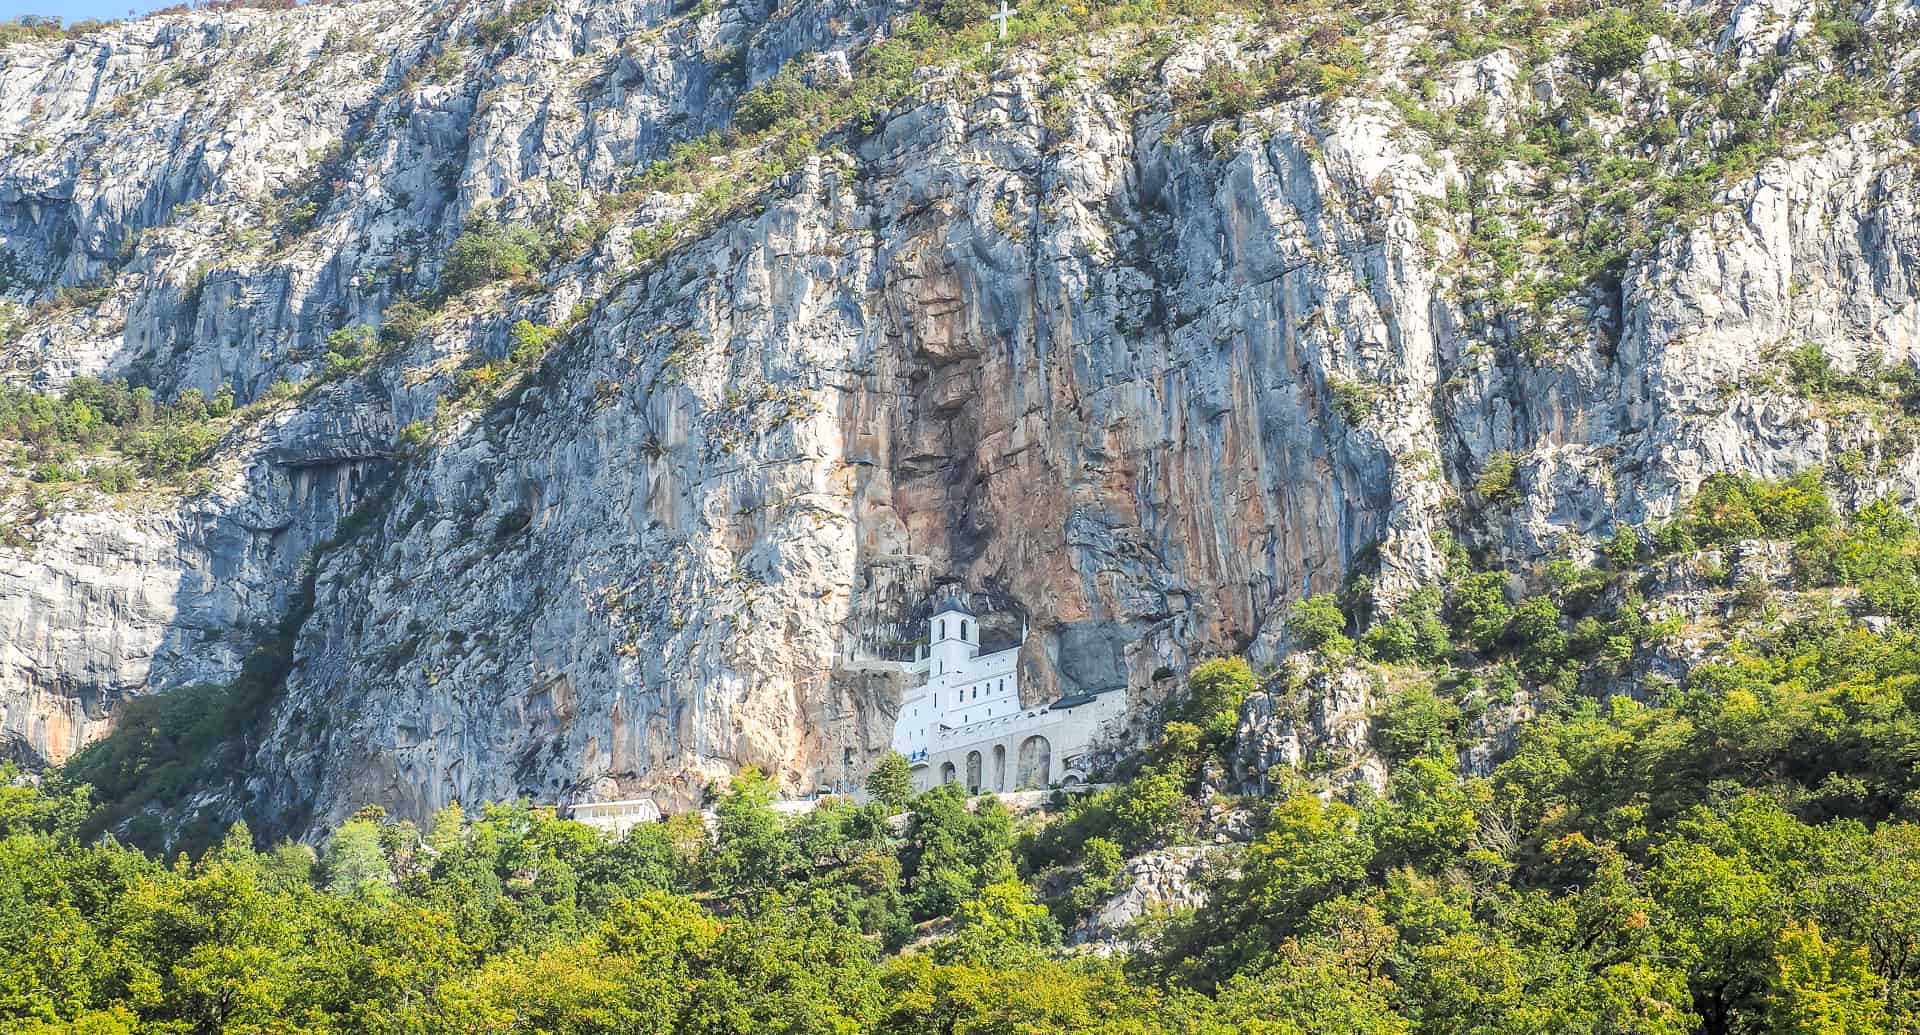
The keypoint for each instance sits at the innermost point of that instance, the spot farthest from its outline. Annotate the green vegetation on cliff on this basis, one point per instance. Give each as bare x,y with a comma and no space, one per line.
74,436
1735,852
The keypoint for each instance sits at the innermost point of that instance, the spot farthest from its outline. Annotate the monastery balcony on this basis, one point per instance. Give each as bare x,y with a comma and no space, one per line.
974,730
856,658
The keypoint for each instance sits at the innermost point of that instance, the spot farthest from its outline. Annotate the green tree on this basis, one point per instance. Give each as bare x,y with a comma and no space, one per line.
1215,689
1822,989
1611,43
487,251
1497,482
1147,810
1539,641
1481,611
1624,548
1099,875
356,864
1417,721
891,782
1431,818
1309,992
751,850
1001,928
1316,623
952,853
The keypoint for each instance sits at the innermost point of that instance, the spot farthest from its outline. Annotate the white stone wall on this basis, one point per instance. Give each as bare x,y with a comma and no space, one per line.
615,818
1032,749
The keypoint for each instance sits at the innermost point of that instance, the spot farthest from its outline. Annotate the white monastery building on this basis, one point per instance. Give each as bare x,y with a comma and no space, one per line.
615,818
962,722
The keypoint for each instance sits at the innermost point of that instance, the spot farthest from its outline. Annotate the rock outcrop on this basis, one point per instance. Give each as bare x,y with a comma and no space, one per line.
1160,882
1140,383
1316,718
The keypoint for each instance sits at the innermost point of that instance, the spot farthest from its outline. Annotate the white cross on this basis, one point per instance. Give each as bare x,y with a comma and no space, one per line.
1005,16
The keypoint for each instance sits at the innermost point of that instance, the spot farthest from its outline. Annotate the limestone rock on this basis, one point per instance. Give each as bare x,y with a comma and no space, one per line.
1141,385
1163,880
1318,719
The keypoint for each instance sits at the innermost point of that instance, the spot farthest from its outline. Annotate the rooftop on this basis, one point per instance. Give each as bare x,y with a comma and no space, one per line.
1080,697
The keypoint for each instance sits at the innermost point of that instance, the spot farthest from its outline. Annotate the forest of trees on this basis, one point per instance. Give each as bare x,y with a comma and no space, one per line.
1732,854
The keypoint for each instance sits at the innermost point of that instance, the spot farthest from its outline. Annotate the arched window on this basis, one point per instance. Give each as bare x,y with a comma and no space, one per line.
943,628
963,628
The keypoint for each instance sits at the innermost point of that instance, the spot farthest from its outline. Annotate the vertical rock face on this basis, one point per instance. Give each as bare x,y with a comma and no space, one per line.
1138,387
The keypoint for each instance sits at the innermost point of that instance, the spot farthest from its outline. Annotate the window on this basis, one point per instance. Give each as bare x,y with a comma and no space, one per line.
963,628
1003,686
943,628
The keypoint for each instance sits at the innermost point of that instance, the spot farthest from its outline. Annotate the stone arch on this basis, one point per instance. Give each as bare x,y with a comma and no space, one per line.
946,772
999,767
1036,762
973,772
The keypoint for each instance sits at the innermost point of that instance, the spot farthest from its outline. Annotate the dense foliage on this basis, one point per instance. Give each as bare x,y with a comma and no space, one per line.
72,436
1737,853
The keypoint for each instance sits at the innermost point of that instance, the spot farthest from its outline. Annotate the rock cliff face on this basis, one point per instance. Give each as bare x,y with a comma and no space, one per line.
1137,379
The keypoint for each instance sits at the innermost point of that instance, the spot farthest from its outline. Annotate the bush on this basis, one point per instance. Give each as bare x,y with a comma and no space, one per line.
348,349
1624,548
1730,508
1611,44
782,97
415,435
1316,623
1148,809
1392,641
1355,400
530,341
1481,611
402,322
1539,642
1099,875
960,14
1496,481
1215,688
1416,722
1415,635
1809,369
487,251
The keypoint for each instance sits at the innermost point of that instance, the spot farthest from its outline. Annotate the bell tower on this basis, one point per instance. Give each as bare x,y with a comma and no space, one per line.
954,633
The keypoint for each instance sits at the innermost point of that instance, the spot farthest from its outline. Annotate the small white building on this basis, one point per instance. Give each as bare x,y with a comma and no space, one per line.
615,818
962,721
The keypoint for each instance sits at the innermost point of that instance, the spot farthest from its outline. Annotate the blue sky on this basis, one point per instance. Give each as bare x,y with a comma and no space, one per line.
78,10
